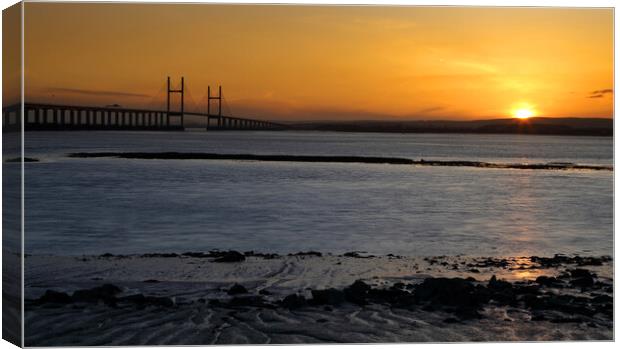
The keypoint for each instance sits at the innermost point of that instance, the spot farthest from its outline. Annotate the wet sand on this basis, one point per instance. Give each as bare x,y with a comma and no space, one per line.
235,298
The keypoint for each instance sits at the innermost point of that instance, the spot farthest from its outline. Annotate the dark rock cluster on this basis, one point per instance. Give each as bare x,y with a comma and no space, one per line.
106,294
464,298
308,253
559,260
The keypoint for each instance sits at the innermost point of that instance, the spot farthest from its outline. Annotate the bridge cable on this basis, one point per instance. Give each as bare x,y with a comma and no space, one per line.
190,98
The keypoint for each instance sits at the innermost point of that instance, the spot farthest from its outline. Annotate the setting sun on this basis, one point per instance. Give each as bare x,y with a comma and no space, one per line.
523,113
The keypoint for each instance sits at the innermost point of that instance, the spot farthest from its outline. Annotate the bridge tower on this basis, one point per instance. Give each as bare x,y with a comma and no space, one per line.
217,116
182,93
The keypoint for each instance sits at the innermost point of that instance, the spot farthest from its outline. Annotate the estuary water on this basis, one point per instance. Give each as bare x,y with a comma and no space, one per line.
91,206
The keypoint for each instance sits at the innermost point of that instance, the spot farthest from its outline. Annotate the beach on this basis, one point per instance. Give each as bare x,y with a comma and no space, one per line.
229,297
451,227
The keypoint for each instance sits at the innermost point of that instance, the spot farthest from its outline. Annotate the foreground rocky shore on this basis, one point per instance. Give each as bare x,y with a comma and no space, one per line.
308,297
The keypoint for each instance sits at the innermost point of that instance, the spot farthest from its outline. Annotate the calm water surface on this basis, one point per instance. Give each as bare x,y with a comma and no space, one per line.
76,206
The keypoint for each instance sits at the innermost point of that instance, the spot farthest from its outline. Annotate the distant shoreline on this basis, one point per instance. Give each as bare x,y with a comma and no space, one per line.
599,127
532,126
336,159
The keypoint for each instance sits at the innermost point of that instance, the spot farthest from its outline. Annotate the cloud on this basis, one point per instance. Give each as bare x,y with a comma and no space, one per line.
430,110
600,93
96,92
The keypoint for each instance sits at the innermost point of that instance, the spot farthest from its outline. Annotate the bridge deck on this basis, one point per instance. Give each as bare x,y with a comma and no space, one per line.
39,116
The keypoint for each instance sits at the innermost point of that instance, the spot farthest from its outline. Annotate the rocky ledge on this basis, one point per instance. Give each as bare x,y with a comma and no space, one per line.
575,295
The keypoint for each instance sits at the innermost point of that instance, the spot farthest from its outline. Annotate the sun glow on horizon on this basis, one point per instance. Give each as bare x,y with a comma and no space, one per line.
523,111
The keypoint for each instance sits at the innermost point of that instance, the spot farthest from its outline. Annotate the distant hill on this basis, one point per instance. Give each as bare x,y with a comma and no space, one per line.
539,125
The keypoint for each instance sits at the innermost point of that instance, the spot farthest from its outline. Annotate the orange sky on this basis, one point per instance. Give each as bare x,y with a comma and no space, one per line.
317,63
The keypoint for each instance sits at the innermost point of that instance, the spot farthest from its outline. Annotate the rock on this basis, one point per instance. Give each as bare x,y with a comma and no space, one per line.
330,296
531,289
138,299
309,253
262,255
264,292
356,254
141,300
105,293
357,292
197,254
467,313
581,273
450,291
26,159
160,255
293,301
533,301
602,299
215,303
159,301
51,296
564,320
497,285
230,257
548,281
492,262
546,262
585,261
392,296
237,289
583,282
399,285
249,301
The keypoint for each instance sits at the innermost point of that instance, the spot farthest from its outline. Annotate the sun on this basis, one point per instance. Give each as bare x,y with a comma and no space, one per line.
523,113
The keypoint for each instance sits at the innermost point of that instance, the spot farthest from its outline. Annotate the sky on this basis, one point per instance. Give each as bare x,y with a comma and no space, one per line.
11,55
325,62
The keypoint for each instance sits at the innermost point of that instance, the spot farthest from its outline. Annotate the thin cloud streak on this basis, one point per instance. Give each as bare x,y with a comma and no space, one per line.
96,92
602,92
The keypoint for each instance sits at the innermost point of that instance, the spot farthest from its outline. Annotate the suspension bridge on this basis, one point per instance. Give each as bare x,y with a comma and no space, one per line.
213,114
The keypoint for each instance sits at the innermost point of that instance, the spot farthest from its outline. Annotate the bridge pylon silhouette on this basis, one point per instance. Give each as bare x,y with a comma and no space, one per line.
63,117
171,113
218,98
